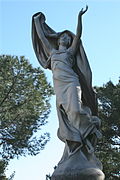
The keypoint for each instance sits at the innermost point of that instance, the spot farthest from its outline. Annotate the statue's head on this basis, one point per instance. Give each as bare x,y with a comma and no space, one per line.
65,39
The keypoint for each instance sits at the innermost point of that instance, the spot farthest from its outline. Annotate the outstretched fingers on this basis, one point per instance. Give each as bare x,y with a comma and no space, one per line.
82,11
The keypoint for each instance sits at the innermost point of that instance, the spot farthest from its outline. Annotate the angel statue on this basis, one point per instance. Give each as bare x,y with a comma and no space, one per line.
76,103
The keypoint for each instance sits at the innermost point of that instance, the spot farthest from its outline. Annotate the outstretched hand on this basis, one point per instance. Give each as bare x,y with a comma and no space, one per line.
82,11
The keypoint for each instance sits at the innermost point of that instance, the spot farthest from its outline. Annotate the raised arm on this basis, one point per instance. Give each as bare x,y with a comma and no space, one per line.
39,19
76,39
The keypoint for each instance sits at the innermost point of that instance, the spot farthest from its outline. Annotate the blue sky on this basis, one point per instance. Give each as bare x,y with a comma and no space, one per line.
101,28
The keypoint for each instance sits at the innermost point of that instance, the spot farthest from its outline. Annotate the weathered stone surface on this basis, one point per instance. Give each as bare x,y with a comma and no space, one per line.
86,174
78,166
76,103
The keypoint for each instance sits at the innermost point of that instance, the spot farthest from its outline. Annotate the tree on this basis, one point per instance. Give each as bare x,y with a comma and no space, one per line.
3,165
24,107
109,112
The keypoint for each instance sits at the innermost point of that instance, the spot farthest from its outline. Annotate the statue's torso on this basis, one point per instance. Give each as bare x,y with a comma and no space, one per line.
61,65
64,78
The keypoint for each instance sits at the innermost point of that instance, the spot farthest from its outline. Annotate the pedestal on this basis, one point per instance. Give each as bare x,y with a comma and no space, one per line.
78,166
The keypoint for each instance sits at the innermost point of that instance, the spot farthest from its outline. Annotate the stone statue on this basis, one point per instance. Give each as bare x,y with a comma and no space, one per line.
63,53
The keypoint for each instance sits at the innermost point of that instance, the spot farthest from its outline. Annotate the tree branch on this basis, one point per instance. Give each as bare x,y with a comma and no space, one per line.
7,94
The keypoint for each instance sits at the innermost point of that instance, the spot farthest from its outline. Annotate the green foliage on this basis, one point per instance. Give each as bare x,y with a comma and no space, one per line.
3,165
24,107
109,112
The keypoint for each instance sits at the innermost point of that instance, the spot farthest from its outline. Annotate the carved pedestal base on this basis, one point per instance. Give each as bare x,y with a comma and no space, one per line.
86,174
78,166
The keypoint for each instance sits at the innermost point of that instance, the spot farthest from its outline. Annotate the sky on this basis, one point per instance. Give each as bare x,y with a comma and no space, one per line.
101,28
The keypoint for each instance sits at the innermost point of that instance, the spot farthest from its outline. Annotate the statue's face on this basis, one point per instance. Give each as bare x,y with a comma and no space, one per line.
65,39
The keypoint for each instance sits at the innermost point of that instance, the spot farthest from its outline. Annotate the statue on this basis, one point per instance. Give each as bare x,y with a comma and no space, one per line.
64,54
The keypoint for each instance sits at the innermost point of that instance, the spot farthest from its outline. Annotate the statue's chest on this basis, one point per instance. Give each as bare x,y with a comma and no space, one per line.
63,57
59,56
